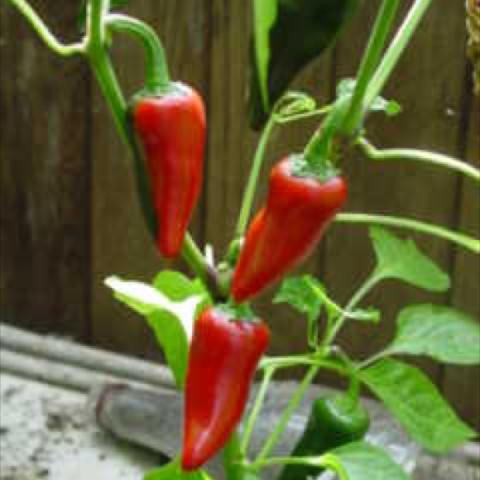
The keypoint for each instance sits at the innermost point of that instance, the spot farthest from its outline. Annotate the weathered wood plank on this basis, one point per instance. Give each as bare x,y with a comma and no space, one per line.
45,177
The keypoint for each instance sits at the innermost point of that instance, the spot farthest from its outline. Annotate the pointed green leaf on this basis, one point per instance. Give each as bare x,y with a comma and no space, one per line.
305,294
171,321
401,259
442,333
362,461
413,399
265,14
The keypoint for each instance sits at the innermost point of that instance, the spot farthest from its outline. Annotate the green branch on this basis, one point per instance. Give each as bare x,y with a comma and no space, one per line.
250,188
157,75
421,156
65,50
460,239
370,61
252,418
397,47
287,413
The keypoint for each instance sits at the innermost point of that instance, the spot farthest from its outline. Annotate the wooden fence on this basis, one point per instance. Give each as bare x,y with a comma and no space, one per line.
69,215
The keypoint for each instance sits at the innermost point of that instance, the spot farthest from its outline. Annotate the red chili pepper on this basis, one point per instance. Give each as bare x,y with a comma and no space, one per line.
287,229
222,361
171,129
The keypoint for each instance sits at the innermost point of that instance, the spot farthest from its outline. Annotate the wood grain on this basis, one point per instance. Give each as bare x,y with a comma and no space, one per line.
45,178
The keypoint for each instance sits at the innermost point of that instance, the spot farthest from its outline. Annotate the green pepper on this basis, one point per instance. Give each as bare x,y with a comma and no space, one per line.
333,421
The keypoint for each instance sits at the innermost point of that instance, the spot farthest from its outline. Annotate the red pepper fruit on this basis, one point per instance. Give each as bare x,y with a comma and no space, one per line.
287,229
222,361
171,129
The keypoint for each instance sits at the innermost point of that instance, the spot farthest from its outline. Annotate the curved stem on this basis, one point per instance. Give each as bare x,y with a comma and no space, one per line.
365,288
157,75
370,61
252,418
103,70
301,360
287,413
397,47
272,461
45,34
374,358
460,239
300,116
249,193
421,156
195,259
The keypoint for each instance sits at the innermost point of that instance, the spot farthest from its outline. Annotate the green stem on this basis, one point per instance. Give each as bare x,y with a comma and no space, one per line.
373,359
421,156
460,239
195,259
249,193
157,75
287,413
365,288
301,116
301,360
252,418
396,49
370,61
272,461
65,50
233,459
105,75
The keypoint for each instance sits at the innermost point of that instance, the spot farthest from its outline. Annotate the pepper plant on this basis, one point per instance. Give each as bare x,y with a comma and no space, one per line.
212,339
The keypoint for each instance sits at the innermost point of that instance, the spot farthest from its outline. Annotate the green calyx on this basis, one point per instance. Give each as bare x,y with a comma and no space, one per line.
237,312
325,149
300,167
158,91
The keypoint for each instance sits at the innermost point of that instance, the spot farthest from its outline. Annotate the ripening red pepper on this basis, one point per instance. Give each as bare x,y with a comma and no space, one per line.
171,129
285,231
222,361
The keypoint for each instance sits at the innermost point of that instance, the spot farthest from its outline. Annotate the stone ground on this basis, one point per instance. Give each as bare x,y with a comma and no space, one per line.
47,434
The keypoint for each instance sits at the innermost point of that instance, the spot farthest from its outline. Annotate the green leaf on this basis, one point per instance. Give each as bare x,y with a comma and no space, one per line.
172,471
442,333
345,87
171,321
305,294
177,287
308,296
362,461
413,399
401,259
172,337
265,14
287,35
390,107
